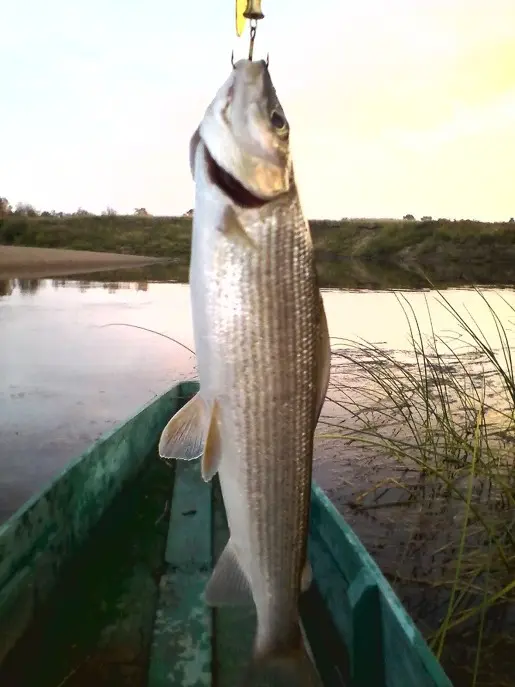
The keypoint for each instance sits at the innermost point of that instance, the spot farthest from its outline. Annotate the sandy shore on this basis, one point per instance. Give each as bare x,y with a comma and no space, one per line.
24,262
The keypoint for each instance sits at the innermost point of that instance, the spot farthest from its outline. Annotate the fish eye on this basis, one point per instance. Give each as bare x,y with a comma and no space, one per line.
277,120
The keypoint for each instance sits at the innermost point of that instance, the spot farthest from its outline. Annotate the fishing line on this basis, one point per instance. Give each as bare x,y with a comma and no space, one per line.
152,331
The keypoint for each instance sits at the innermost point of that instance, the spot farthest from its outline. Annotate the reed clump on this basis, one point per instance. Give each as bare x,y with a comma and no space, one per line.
442,412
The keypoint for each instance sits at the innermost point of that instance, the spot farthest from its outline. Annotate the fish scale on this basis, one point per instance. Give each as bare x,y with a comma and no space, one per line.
267,360
263,357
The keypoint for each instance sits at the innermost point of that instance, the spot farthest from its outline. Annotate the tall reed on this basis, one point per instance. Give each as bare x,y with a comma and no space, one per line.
443,410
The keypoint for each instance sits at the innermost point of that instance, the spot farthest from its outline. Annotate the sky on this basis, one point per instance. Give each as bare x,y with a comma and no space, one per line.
395,106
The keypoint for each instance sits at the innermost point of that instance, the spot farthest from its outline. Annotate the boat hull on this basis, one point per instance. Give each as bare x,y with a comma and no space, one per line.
102,574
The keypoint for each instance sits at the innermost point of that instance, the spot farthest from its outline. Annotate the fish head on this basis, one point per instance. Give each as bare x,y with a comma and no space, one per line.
246,137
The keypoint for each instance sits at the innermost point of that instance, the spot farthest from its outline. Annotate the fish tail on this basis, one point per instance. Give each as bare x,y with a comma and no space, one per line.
291,668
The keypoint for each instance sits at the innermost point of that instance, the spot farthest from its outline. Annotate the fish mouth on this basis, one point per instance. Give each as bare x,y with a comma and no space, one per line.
230,186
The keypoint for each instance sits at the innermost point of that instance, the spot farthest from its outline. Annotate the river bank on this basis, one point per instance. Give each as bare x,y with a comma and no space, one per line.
34,262
444,250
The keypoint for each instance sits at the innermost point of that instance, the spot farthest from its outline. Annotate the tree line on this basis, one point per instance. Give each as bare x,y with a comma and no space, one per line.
28,210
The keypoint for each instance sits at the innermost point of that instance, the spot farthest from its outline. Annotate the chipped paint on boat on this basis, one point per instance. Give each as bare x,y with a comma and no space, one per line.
51,526
102,574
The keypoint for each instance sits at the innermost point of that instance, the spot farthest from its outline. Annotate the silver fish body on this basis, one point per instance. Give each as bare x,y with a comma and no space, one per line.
262,352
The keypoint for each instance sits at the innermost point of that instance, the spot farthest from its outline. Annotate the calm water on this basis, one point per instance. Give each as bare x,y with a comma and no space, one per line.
70,370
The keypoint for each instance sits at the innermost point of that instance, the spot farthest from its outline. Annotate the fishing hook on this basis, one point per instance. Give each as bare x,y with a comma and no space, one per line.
234,66
253,29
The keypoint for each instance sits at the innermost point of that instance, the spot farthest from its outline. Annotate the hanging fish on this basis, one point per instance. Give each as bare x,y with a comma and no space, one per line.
263,357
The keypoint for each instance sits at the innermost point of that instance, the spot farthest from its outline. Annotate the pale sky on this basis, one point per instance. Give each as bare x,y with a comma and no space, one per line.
395,106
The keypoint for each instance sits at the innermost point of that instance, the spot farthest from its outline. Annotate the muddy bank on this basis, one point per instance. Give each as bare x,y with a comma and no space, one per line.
23,261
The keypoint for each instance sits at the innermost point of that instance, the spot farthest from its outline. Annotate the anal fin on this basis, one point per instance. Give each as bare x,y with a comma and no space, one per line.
228,585
213,448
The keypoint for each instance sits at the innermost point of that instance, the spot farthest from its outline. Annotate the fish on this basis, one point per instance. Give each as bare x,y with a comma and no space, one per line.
263,360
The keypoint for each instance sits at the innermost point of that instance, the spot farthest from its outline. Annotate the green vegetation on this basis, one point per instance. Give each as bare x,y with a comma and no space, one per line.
445,249
152,236
441,416
426,243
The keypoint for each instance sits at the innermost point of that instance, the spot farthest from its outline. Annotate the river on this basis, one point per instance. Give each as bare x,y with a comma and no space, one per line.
70,369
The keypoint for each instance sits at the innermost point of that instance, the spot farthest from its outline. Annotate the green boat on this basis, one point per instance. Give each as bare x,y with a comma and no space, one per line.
102,574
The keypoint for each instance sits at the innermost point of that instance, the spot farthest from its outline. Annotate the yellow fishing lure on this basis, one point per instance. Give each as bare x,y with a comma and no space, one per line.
241,6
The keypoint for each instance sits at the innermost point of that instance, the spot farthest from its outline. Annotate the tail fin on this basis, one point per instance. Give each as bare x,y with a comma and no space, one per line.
292,669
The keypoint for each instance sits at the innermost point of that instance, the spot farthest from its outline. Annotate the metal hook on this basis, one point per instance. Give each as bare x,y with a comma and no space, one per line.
253,28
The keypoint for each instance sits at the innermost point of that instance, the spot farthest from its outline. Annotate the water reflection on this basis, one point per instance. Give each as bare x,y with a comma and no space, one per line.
67,377
334,272
6,287
350,273
31,286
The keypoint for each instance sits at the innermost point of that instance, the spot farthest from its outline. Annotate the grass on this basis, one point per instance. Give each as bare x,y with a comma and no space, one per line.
443,412
447,249
150,236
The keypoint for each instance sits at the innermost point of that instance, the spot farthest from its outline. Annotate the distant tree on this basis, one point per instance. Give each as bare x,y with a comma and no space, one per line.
80,212
111,212
426,218
5,208
141,212
45,213
408,217
25,209
189,213
512,219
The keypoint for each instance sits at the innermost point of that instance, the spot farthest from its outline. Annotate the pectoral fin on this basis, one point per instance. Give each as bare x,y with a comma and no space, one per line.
228,585
232,228
323,360
184,435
